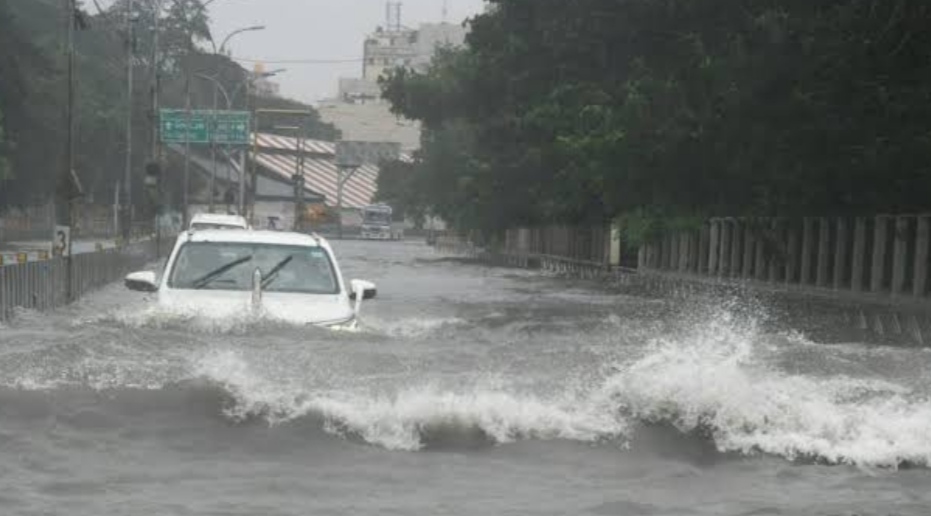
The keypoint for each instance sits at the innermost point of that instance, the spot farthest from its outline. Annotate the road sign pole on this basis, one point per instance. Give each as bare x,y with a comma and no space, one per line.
188,126
187,163
213,151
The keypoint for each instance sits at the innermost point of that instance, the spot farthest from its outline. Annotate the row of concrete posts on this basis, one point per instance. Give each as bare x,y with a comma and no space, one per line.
883,254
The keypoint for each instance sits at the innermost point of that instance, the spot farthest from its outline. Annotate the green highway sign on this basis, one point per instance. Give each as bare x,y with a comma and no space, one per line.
204,126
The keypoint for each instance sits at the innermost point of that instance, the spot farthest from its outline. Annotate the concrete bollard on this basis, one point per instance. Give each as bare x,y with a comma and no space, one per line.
922,242
684,250
714,247
792,254
760,270
736,248
808,250
899,255
727,231
840,255
749,254
694,251
858,258
878,269
824,252
778,232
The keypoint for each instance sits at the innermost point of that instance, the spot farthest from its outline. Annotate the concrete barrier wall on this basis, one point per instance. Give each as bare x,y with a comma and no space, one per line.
584,244
885,254
44,285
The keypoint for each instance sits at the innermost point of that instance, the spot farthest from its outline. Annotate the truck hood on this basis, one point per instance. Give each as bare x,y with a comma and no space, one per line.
317,309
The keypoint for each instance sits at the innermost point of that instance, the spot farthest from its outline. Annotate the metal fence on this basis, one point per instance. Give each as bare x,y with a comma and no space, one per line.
44,285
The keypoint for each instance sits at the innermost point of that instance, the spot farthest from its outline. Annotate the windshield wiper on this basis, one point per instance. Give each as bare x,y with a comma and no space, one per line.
272,274
208,278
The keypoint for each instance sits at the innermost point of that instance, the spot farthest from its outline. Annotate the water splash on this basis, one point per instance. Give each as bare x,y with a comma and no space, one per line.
713,381
408,419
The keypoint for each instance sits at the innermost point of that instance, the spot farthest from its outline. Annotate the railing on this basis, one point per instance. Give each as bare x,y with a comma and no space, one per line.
583,244
886,254
572,250
44,285
456,245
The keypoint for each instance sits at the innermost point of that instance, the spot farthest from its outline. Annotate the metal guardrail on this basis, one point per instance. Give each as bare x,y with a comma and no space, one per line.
43,285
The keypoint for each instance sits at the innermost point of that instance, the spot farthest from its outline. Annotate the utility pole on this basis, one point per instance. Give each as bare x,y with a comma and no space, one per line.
127,179
254,172
299,183
187,152
156,150
213,151
66,180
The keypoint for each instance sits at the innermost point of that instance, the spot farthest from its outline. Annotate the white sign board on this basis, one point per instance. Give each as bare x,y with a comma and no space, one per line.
61,245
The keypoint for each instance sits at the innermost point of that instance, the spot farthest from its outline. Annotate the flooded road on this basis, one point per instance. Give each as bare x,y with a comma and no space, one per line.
471,390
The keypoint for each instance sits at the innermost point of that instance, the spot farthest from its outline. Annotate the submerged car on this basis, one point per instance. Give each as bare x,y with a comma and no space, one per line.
203,221
288,276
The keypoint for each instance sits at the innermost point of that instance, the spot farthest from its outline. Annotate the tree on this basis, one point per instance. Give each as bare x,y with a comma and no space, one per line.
33,87
583,111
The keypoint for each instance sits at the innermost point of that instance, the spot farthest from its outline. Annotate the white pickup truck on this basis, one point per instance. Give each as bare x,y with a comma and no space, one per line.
288,276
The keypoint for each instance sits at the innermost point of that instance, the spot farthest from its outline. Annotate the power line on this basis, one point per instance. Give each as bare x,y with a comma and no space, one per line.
299,61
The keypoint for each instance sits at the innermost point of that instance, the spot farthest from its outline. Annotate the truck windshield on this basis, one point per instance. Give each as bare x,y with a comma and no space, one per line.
377,217
229,266
202,226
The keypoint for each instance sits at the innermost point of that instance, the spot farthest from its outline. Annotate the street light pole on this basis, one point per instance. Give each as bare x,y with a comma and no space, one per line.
217,85
127,179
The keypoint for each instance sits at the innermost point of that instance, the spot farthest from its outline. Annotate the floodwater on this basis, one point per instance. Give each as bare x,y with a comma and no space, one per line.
471,390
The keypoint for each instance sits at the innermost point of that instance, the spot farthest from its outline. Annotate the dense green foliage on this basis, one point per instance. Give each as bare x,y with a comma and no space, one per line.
395,187
586,110
33,92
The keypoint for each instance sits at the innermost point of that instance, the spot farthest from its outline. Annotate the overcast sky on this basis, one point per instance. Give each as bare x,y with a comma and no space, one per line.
317,30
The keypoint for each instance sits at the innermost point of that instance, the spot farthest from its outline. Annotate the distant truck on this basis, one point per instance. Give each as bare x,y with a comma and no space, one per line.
377,223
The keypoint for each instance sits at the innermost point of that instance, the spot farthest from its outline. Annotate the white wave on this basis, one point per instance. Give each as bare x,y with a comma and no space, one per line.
404,420
409,327
714,382
157,317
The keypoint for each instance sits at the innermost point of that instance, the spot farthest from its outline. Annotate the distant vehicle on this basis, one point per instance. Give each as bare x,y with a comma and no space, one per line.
377,223
204,221
289,276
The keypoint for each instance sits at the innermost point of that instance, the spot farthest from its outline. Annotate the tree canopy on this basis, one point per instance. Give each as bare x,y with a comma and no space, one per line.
585,110
33,89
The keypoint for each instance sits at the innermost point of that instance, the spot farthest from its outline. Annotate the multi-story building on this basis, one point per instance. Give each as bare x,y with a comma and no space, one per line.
359,111
388,49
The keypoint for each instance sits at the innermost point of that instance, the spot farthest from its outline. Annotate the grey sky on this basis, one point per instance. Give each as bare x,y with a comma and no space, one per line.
319,30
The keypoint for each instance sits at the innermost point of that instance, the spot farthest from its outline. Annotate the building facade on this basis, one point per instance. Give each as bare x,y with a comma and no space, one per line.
385,50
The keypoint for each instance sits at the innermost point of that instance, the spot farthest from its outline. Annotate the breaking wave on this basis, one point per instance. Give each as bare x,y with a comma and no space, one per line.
407,420
715,379
713,383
